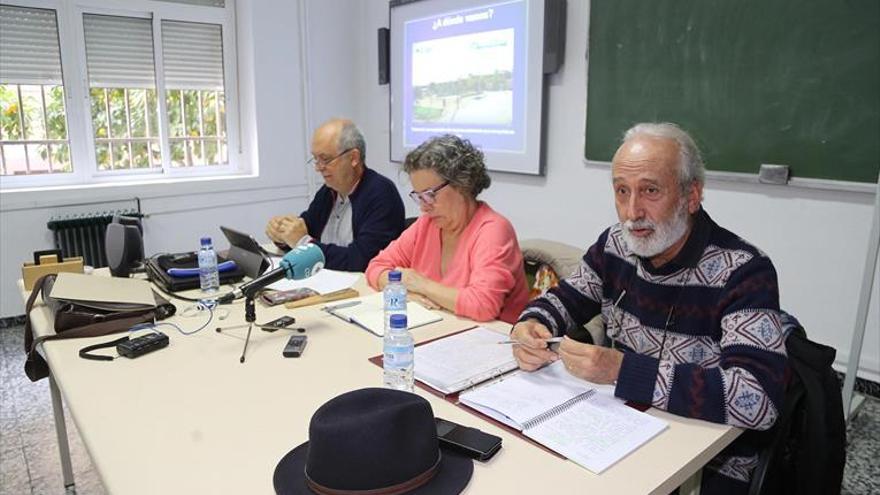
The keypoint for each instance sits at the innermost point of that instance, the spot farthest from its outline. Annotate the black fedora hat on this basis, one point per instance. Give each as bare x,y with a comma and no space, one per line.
376,441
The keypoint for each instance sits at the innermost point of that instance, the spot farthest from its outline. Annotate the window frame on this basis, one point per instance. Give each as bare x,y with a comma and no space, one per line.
74,70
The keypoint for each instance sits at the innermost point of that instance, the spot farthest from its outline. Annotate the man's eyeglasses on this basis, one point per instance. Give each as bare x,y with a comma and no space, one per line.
428,196
323,162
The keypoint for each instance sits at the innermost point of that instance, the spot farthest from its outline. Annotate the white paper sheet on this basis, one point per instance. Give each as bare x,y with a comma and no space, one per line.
323,282
464,359
581,420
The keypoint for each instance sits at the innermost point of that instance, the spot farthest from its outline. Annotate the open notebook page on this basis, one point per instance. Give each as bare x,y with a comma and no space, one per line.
464,359
597,432
369,313
594,431
522,396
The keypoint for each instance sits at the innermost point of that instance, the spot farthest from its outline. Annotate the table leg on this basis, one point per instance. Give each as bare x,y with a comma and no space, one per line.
61,432
691,486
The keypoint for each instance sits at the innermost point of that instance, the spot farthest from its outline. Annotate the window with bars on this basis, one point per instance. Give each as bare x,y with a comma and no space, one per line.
194,93
33,120
122,91
155,99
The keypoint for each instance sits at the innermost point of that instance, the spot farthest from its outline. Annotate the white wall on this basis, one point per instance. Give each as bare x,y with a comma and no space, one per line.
817,239
273,136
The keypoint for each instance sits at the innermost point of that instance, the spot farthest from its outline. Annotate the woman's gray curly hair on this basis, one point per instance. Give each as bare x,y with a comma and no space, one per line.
454,159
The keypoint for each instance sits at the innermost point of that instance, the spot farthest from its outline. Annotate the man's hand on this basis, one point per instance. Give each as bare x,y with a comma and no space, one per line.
286,229
531,353
292,230
590,362
273,228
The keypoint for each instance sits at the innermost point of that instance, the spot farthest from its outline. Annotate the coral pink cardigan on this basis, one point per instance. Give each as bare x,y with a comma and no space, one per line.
487,266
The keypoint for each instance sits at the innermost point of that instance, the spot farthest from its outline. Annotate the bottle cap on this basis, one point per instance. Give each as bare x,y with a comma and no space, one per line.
206,241
398,321
394,276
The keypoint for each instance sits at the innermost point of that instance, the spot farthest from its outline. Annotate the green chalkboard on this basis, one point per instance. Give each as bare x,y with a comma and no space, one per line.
793,82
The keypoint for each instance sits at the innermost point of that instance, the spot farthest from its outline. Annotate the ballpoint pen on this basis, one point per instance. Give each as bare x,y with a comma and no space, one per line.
553,340
340,306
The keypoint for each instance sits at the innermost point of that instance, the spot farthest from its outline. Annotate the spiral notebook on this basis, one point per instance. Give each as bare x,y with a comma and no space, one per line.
462,360
575,418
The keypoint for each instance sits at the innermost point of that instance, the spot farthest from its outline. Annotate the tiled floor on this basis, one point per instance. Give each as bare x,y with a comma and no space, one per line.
29,461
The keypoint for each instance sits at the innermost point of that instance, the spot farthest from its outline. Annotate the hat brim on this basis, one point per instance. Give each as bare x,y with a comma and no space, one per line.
453,475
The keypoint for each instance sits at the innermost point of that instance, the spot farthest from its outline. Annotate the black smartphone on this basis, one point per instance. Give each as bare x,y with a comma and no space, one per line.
278,323
295,346
468,441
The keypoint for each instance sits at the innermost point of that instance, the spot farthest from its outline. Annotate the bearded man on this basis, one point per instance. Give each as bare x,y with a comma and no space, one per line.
691,309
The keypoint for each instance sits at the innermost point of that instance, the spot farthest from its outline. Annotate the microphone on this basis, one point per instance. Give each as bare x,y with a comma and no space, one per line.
299,263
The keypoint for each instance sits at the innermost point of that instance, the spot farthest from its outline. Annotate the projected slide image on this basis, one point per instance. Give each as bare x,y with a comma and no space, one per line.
465,79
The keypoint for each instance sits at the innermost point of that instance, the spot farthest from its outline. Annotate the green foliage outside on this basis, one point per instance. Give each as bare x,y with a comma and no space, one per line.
111,120
37,127
186,102
124,138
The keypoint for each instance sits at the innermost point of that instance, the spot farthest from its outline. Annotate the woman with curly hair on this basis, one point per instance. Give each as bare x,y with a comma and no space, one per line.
460,255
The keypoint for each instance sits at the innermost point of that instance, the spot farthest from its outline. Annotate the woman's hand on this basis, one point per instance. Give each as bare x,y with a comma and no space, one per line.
413,280
428,293
423,300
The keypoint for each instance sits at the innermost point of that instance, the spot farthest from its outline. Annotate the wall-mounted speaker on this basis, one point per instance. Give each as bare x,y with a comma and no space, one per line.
384,37
554,35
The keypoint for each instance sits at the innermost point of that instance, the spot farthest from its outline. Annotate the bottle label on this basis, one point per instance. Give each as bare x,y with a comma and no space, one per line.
398,357
395,301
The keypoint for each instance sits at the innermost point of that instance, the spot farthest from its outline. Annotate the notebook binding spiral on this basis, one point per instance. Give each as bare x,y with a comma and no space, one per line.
561,408
494,375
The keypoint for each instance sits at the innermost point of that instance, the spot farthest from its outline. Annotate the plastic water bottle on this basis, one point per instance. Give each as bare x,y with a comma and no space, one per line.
394,296
209,277
397,357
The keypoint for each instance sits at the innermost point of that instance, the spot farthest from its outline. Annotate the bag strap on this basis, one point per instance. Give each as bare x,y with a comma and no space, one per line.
96,329
92,330
28,331
36,367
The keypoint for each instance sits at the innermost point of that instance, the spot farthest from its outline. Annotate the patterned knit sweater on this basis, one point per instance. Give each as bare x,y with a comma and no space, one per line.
701,335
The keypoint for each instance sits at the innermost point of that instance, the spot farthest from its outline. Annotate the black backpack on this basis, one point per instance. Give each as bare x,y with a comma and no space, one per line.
808,450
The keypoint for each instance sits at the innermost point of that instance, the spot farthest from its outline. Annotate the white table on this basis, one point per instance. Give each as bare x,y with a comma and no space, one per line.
198,421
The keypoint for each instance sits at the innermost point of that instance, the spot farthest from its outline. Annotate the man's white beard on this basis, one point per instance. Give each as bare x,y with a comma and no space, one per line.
664,234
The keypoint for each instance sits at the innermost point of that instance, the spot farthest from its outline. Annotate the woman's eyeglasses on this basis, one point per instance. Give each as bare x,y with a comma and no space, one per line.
428,196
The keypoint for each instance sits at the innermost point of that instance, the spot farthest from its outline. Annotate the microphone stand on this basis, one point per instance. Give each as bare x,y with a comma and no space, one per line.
250,316
250,289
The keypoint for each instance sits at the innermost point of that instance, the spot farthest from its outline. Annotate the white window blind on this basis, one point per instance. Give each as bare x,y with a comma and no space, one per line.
193,55
29,49
119,51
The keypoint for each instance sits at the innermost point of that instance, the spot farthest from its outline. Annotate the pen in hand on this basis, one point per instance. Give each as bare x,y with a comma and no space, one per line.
550,341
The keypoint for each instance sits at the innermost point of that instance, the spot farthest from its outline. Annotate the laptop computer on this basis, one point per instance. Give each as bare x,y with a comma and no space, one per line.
246,252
